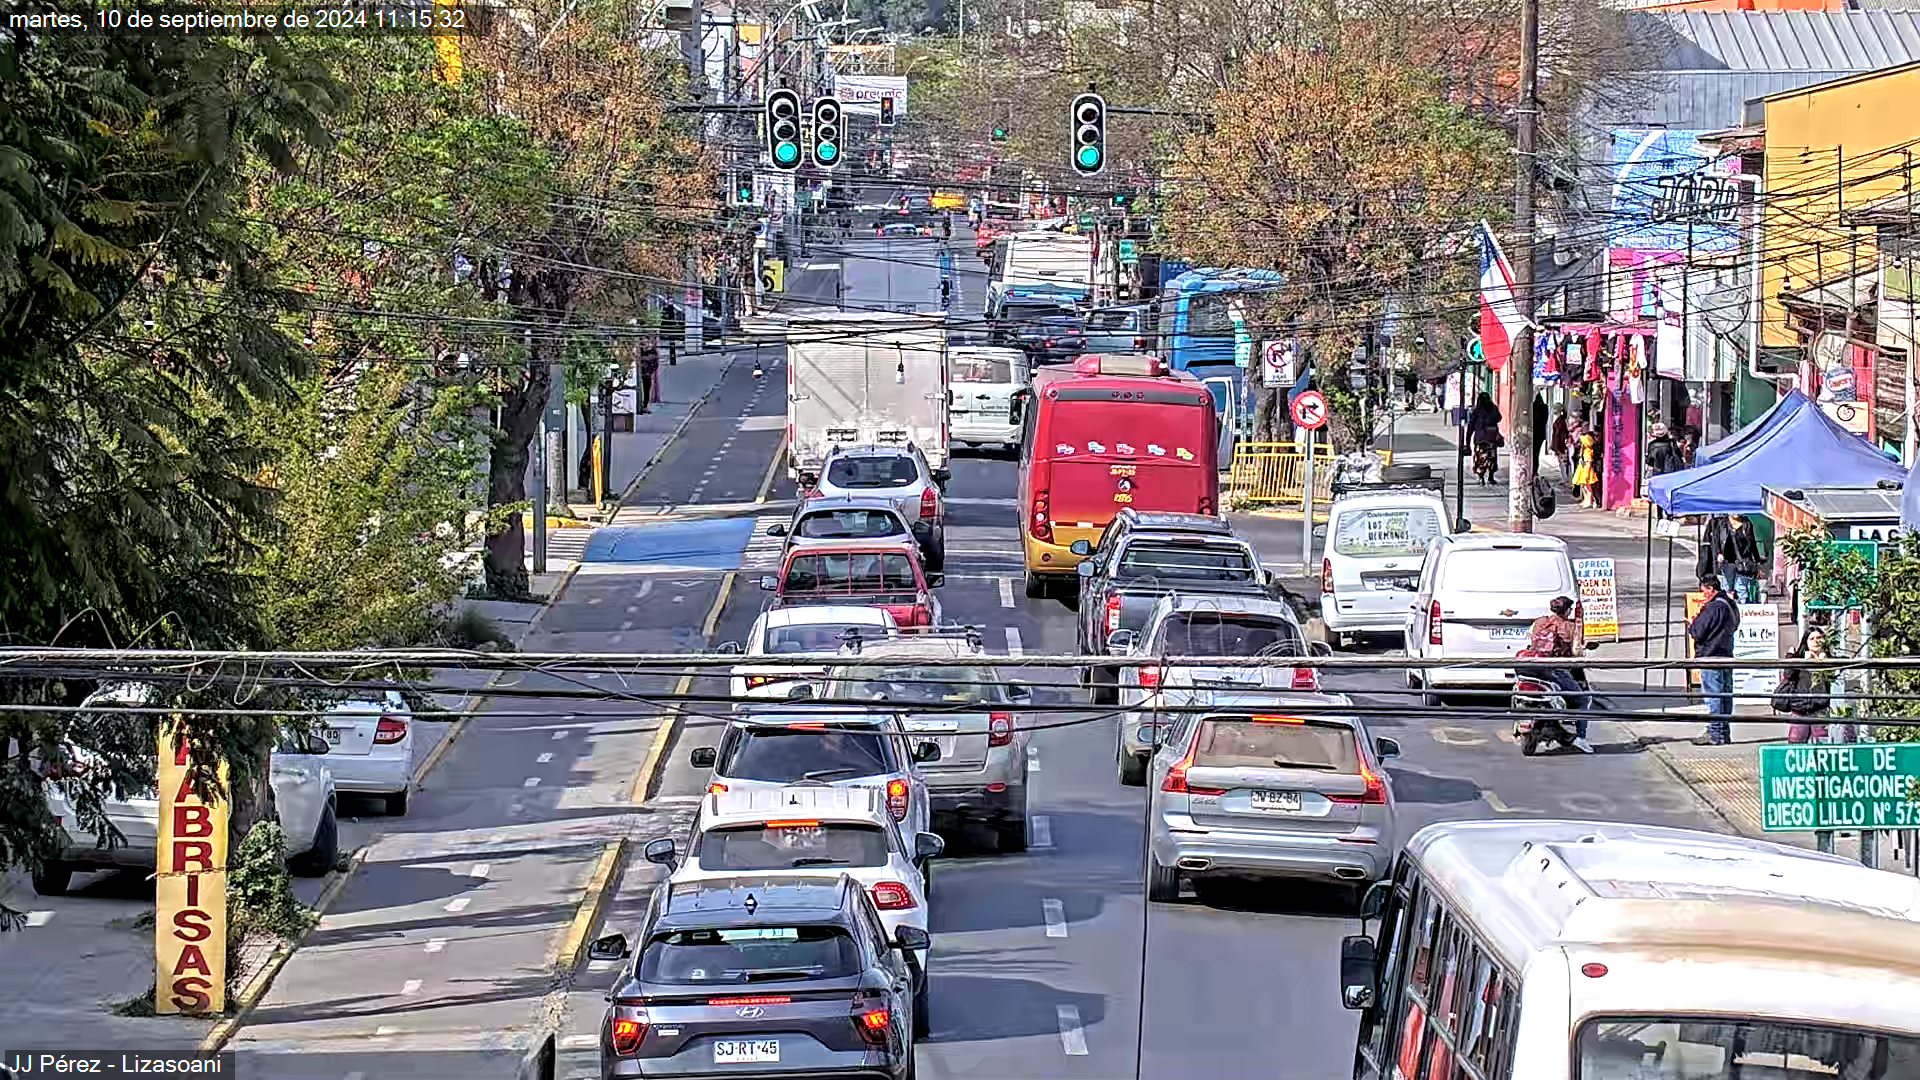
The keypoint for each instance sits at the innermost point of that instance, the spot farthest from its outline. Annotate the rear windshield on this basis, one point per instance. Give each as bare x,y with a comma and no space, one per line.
792,846
785,755
1264,744
982,369
889,471
1186,562
816,637
1113,320
862,524
1507,570
853,572
750,954
1396,530
1202,633
941,685
1029,312
1139,424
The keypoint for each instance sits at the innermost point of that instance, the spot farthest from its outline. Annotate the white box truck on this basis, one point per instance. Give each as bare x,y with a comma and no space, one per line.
860,378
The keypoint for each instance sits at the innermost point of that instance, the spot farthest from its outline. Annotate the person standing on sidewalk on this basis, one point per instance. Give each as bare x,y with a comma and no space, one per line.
649,374
1483,431
1712,631
1586,468
1540,426
1805,692
1560,442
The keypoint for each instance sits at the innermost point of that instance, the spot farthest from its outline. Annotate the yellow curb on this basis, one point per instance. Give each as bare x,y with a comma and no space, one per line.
593,900
256,987
557,522
670,722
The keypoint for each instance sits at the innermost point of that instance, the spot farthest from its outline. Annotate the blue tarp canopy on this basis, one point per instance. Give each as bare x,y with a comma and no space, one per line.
1788,448
1782,411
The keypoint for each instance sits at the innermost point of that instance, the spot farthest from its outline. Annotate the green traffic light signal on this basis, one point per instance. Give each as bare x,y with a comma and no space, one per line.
828,152
1089,157
786,153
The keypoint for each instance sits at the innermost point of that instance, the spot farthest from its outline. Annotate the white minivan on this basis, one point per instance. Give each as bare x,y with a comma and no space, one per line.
1478,596
990,389
1370,558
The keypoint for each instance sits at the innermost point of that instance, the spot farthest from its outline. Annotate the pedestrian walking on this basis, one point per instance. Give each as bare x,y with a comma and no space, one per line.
1730,552
1804,693
646,391
1539,429
1662,456
1560,443
1712,631
1483,431
673,326
1586,467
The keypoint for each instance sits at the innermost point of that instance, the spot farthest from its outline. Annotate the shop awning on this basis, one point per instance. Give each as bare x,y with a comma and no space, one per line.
1793,402
1805,449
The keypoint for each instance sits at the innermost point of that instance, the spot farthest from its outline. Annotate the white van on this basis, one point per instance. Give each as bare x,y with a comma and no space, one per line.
1370,557
990,389
1478,596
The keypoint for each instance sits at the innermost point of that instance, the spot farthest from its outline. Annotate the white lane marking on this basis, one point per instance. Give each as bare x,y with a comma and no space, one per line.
558,735
1033,759
1006,592
516,808
645,588
355,1076
591,600
1073,1038
1055,913
385,1030
479,871
411,986
459,904
1042,829
436,944
633,609
612,639
1014,648
628,625
497,838
581,1041
531,781
39,918
543,758
679,599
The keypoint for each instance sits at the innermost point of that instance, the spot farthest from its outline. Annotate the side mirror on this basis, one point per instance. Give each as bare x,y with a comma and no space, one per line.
729,647
769,582
934,581
318,744
1373,901
611,947
911,937
702,757
1320,532
662,852
1121,641
926,752
1319,648
802,690
1386,748
776,529
1592,645
1080,547
927,845
1084,569
1359,972
1021,695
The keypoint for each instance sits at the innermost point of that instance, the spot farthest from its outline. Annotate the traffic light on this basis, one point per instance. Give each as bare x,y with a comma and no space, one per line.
826,132
886,111
1121,200
743,190
783,129
999,133
1088,122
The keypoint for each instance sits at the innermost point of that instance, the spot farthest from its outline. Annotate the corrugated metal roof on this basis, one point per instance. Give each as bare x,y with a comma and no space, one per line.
1780,41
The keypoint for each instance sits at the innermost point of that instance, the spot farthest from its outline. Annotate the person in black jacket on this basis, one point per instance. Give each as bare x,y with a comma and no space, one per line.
1730,552
1712,631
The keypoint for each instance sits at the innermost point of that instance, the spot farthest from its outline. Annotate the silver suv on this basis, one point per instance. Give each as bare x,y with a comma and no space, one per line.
973,717
901,476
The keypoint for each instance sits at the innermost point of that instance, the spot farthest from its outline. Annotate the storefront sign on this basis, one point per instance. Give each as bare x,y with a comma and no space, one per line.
1671,195
1620,451
1599,601
190,890
1757,638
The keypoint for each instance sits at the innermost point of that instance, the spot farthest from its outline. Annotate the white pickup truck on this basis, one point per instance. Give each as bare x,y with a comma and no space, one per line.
870,378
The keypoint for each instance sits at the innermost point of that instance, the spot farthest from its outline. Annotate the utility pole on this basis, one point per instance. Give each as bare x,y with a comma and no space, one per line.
1520,358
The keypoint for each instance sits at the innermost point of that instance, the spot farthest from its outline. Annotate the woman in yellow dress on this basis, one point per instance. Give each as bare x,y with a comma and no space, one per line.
1586,472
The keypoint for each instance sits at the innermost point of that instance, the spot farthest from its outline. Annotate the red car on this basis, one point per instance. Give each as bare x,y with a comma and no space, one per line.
877,573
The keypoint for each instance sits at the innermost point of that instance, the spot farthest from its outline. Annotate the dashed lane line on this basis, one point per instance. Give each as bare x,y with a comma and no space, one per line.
459,904
411,986
1055,913
1033,759
434,945
1041,828
1073,1037
1014,648
480,871
1006,592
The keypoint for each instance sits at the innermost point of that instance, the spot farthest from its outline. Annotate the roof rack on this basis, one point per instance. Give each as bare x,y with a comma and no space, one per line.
853,640
1435,484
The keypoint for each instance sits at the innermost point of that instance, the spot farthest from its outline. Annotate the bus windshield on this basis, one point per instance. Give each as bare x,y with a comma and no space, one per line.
1715,1048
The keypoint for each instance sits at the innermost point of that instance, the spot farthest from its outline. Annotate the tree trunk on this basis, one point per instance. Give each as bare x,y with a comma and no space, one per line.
520,409
584,474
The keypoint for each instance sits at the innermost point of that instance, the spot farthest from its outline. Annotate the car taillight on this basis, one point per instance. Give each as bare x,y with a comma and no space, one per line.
1113,613
625,1033
1326,576
897,799
390,730
1176,780
1048,343
1042,527
754,681
871,1020
1433,623
1149,678
999,729
929,505
1139,344
1376,793
716,788
892,896
1305,678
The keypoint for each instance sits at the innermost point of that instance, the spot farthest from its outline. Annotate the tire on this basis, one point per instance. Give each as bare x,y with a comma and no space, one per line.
397,803
1036,586
52,879
1132,768
1529,744
922,1012
1432,700
1163,882
317,860
1010,833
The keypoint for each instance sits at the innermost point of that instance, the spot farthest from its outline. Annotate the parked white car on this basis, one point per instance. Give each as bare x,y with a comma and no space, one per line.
804,631
1373,545
1479,594
303,796
370,741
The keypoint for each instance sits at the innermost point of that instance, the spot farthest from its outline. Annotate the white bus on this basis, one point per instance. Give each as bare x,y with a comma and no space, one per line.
1569,950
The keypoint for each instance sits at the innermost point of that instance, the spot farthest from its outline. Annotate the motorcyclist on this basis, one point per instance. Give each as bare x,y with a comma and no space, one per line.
1558,636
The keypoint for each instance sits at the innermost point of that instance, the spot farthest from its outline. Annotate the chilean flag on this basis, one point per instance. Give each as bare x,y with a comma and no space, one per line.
1500,318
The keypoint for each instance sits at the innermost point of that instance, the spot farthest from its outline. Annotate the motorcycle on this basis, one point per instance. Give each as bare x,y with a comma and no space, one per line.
1539,706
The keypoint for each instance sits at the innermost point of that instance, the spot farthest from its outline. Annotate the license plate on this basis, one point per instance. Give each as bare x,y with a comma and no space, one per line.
735,1051
334,735
1404,584
933,725
1276,800
1507,633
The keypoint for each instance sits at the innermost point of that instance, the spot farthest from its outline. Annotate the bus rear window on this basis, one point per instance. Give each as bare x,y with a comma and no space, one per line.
1718,1048
1112,426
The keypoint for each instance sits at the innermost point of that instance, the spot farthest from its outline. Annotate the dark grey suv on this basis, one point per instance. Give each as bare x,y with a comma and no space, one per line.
759,977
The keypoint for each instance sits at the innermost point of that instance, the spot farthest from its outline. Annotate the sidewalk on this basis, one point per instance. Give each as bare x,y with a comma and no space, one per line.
683,387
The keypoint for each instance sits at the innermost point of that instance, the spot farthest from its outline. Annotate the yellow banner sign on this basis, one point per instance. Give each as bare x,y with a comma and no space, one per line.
190,894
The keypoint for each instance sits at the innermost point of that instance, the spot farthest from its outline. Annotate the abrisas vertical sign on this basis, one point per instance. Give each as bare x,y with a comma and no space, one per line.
190,891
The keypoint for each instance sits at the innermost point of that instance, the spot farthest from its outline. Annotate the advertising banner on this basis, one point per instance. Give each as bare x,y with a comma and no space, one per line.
1758,637
1668,195
190,890
862,93
1619,451
1599,598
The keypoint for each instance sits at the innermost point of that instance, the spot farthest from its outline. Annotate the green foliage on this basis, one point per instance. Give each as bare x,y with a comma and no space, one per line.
260,900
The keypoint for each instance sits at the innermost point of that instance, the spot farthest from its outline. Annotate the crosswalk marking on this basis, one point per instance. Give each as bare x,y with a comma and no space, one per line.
763,551
564,545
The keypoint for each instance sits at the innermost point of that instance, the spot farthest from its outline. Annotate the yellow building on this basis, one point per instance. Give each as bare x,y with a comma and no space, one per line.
1831,149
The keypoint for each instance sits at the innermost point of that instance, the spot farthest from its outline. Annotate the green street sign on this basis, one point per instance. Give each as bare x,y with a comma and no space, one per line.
1850,786
1129,251
1086,221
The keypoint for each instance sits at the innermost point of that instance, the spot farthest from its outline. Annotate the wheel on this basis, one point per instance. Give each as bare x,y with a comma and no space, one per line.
52,879
1529,744
1013,448
1036,587
1432,700
922,1013
319,859
1163,882
1010,833
1133,768
397,803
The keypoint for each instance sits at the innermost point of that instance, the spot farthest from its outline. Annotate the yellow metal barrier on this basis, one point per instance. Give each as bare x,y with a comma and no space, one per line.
1273,472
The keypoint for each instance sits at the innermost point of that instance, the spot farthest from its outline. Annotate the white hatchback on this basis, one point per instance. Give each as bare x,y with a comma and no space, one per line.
1479,594
795,632
370,747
